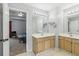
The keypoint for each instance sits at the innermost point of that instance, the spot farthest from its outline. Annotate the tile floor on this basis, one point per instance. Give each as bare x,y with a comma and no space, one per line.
16,47
49,52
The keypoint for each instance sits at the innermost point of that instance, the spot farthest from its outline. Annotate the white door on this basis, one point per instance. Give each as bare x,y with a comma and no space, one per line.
5,30
1,30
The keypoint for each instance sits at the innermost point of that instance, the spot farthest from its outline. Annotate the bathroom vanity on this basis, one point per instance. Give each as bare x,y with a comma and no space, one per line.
69,43
43,42
69,40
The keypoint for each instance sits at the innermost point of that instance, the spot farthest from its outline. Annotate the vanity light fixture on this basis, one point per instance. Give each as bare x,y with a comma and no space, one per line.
20,14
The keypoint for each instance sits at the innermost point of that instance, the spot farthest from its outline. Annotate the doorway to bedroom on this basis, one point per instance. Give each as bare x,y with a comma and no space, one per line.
17,32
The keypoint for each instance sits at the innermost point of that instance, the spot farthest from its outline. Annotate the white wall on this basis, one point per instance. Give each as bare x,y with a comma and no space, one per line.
34,24
52,17
55,15
39,11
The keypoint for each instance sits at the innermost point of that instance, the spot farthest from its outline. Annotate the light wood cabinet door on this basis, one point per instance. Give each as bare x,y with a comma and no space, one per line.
73,46
68,44
52,43
76,52
47,44
34,46
76,45
40,46
62,42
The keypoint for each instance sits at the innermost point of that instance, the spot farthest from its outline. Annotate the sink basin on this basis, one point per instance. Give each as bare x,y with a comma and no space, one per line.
42,35
71,35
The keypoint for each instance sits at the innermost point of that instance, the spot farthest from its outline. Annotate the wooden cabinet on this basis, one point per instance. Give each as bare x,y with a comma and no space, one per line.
47,44
52,42
65,43
38,45
68,45
75,47
34,45
41,44
62,42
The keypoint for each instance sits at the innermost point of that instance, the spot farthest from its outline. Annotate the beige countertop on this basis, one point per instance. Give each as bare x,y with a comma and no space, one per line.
70,35
39,35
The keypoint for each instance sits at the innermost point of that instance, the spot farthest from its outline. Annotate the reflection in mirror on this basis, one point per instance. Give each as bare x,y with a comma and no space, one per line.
39,23
73,24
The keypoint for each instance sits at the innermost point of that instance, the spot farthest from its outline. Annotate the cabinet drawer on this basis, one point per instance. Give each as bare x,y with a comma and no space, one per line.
50,38
61,37
68,39
39,40
68,44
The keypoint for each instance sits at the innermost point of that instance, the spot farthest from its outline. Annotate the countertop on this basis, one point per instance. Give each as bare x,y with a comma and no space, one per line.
39,35
70,35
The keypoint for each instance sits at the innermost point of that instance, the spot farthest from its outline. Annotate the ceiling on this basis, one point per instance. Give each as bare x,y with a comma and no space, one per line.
47,6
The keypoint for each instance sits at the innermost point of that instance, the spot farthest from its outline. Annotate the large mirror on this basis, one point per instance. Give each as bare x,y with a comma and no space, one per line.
39,23
73,24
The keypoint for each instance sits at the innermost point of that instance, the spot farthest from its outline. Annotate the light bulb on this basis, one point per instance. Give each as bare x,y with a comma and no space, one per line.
20,14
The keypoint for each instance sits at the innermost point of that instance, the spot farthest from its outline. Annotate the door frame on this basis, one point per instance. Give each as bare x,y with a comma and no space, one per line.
28,11
5,29
15,9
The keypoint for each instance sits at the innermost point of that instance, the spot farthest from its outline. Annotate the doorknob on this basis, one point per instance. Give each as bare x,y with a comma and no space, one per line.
3,40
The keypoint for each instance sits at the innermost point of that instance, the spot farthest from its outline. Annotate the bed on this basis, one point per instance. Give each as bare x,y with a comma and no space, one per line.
22,37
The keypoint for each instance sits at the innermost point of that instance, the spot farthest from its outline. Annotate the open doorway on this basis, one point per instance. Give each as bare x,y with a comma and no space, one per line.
17,32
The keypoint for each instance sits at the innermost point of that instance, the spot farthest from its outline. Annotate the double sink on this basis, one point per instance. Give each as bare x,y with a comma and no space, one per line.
40,35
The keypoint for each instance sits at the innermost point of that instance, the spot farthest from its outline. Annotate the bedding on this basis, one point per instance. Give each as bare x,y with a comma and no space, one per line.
22,37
